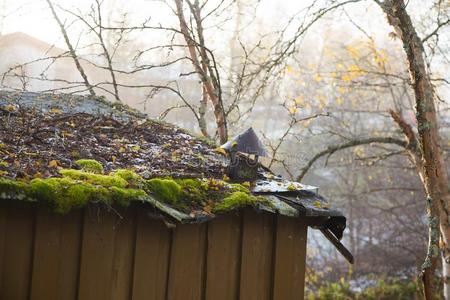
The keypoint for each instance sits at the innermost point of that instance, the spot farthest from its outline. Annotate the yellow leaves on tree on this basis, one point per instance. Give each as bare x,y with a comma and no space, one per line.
352,72
317,77
289,69
293,109
321,101
380,57
354,52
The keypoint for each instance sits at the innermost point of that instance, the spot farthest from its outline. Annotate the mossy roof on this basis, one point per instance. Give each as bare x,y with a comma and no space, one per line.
69,150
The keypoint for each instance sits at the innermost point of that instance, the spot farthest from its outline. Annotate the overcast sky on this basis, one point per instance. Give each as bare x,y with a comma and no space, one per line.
33,16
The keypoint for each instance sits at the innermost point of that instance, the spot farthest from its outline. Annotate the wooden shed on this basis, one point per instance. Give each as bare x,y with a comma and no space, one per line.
89,234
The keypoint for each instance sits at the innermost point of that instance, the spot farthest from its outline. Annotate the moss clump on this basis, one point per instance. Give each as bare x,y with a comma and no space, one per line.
131,177
236,187
90,165
192,190
13,189
96,179
235,200
77,188
166,190
123,197
65,193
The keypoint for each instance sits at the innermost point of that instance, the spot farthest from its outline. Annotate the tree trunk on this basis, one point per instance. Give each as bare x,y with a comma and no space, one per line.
416,158
200,61
434,171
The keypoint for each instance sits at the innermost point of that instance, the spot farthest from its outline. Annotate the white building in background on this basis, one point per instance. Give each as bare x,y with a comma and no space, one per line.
28,63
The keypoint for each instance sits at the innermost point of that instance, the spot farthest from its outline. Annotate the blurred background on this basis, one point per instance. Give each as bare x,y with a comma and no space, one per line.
306,75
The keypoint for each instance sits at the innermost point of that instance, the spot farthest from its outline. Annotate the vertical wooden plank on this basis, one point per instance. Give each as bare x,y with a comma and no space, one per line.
257,256
46,251
186,274
124,243
69,254
151,258
106,254
3,209
18,255
97,254
290,259
56,255
223,262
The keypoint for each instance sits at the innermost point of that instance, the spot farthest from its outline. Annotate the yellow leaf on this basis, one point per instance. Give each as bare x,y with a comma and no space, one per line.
339,101
55,110
317,204
225,177
346,78
357,71
246,184
299,100
136,148
122,150
220,150
317,78
289,69
292,110
10,107
291,187
113,158
53,163
353,52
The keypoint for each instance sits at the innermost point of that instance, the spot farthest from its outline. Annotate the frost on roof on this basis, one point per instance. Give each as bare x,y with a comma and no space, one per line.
40,133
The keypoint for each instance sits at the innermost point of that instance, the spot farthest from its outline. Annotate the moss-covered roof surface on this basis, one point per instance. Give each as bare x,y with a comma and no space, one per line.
70,150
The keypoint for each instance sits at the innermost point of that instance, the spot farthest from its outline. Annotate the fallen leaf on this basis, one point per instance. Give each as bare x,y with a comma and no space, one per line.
220,150
53,163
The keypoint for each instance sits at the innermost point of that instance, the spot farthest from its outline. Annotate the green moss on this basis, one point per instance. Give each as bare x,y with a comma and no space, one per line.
236,187
13,189
76,188
235,200
97,179
123,197
192,190
131,177
65,193
166,190
90,165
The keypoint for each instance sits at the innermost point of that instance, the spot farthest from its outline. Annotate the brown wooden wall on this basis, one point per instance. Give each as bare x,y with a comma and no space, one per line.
96,254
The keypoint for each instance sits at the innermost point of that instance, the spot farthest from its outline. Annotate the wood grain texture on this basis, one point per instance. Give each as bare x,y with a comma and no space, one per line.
186,274
257,256
151,258
56,255
223,260
290,254
99,254
44,282
69,254
3,230
18,254
96,254
124,244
